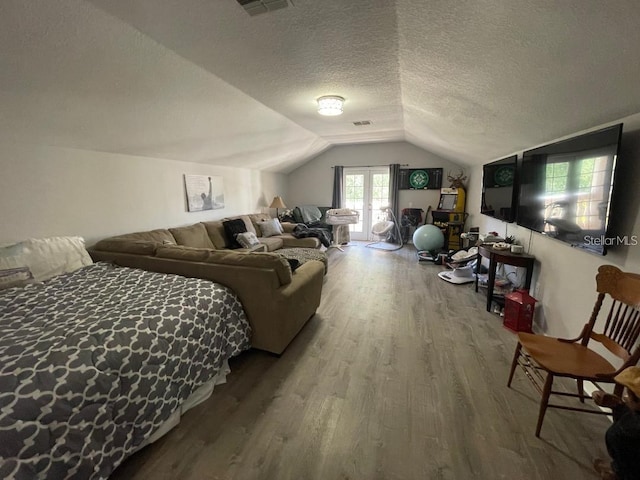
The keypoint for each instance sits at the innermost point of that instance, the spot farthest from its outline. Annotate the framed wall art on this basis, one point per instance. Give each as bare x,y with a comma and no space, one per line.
420,178
203,192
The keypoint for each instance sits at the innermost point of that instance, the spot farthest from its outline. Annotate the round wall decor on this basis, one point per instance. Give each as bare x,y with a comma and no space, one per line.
504,176
419,179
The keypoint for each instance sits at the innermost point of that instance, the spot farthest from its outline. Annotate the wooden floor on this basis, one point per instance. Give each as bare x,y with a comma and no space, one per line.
399,375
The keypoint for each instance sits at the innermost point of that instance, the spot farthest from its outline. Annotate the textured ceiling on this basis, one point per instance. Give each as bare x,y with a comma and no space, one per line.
202,81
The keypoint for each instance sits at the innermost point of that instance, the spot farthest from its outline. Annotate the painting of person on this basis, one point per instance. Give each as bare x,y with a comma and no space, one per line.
203,192
207,199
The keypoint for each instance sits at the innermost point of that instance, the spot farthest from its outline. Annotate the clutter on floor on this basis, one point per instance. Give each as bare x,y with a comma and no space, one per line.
463,264
459,275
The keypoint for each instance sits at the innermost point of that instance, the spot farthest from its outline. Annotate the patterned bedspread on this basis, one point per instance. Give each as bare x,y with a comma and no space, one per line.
92,362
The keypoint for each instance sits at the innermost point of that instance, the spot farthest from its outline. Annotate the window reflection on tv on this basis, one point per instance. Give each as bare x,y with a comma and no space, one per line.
566,188
499,189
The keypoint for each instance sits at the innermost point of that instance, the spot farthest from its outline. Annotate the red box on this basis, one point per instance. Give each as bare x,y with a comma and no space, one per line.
518,311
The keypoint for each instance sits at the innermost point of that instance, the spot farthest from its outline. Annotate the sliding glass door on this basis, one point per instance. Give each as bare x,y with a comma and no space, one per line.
366,190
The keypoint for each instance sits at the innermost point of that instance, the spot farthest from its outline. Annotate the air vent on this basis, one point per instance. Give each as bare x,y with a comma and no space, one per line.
256,7
362,123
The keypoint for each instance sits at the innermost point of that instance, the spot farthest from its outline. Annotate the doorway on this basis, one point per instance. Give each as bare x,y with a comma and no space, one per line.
366,191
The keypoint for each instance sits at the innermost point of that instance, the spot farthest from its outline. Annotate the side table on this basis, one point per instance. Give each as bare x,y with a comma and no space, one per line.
503,256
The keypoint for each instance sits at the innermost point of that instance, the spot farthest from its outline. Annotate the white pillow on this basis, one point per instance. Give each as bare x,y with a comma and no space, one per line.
269,228
14,269
45,257
247,239
15,277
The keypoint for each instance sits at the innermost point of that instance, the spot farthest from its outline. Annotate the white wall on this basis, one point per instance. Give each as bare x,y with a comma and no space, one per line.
47,191
312,183
564,278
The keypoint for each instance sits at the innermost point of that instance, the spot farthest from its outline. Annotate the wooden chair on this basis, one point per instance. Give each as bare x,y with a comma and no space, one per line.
573,358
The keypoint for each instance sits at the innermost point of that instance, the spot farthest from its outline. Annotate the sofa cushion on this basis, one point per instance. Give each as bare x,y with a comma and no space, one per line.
259,260
215,230
181,252
231,229
289,241
158,236
272,243
192,236
125,245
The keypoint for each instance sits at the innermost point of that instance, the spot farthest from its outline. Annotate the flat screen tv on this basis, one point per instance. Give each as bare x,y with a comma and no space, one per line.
499,189
566,188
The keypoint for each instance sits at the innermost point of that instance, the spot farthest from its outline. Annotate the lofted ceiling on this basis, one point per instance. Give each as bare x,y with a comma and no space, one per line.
202,81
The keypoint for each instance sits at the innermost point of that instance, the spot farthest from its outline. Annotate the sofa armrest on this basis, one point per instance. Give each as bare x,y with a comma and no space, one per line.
308,277
288,227
291,307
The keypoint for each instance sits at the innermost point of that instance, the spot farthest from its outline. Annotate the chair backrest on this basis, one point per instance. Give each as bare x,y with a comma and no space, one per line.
621,327
382,228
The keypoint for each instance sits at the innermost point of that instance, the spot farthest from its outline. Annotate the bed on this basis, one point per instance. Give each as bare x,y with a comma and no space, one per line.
96,363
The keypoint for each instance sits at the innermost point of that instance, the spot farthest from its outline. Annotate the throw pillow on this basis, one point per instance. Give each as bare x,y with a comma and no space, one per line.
271,227
53,256
192,236
247,239
15,277
14,266
293,263
39,259
231,229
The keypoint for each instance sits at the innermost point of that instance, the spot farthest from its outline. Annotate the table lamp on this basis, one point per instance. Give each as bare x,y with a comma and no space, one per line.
277,203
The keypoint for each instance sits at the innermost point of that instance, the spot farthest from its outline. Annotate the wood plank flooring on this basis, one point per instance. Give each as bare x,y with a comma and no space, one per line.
399,375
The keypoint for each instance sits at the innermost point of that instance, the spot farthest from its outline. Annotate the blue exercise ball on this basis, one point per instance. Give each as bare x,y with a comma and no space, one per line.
428,238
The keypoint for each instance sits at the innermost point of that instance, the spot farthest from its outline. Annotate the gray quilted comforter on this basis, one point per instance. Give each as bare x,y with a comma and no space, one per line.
92,362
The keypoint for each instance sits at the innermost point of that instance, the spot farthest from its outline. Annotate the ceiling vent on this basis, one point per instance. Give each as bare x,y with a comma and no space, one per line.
256,7
362,123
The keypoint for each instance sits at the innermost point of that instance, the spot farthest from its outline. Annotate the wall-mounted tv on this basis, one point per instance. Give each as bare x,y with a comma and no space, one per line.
420,178
499,189
566,188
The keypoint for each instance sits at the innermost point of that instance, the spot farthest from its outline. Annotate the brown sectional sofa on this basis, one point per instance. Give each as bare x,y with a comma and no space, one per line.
216,233
277,301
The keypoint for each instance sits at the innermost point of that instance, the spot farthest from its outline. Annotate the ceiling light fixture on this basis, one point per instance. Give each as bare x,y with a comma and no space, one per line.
330,105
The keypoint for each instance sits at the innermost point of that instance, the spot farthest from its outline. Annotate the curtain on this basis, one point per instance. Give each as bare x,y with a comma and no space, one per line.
394,199
338,186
